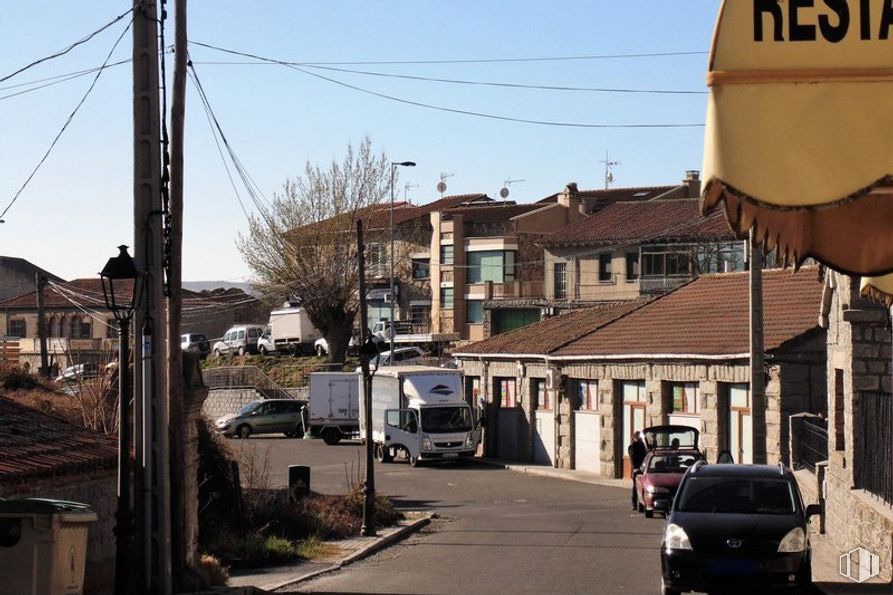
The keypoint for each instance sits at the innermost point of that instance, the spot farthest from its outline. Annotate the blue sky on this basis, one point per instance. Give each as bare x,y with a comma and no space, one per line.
78,207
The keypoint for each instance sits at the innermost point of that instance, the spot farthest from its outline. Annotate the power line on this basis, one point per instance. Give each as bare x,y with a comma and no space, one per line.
67,121
497,60
449,109
538,87
62,78
68,49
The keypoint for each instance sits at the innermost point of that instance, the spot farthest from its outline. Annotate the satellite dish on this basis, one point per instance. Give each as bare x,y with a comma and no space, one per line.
441,186
504,193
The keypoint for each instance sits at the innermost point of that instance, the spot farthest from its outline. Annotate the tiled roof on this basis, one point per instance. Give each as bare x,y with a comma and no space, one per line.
34,444
710,316
86,292
600,198
543,338
654,220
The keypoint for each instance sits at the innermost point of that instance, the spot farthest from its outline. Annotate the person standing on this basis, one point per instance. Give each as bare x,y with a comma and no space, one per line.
637,451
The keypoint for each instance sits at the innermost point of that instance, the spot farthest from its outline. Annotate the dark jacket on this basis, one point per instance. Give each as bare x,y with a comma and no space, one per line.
637,452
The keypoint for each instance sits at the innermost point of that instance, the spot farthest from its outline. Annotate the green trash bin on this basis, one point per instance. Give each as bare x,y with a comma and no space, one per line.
43,546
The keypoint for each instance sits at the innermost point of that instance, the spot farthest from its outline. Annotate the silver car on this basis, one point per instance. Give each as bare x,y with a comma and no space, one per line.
269,416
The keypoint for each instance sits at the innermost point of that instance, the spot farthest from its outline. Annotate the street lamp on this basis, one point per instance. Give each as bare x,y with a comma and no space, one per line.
394,166
120,277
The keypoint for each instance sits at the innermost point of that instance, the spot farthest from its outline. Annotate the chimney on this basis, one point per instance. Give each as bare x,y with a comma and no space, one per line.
570,200
692,183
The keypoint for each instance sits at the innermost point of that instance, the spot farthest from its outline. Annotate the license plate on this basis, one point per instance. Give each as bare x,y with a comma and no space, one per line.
450,455
733,567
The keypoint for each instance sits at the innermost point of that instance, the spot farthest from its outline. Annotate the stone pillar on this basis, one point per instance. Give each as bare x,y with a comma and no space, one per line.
710,412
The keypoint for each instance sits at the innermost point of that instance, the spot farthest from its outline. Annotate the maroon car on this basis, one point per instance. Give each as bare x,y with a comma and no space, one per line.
672,450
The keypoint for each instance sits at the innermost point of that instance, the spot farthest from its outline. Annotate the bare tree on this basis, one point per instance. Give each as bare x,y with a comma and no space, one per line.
303,246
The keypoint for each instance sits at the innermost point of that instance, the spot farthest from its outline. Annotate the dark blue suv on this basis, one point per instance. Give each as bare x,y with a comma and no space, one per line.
737,527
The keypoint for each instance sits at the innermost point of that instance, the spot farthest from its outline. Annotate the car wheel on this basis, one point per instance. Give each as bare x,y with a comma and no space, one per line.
217,353
640,507
383,453
290,434
262,350
331,436
292,349
243,431
649,514
320,352
241,351
665,590
414,461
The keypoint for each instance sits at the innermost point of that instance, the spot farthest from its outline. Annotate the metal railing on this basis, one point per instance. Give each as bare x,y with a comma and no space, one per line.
811,443
649,285
873,444
251,377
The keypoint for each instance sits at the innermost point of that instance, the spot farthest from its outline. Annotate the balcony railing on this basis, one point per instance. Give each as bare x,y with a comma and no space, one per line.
513,290
650,285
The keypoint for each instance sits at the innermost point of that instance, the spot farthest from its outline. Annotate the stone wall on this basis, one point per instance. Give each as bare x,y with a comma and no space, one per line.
226,401
100,491
859,355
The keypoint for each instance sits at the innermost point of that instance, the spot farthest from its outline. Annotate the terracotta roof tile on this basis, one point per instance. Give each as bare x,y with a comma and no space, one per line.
495,213
543,338
652,220
710,316
34,444
87,292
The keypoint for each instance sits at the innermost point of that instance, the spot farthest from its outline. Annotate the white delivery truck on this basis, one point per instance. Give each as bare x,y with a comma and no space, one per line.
334,408
292,331
421,412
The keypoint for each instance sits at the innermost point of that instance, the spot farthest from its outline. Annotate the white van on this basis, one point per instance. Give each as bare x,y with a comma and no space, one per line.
239,340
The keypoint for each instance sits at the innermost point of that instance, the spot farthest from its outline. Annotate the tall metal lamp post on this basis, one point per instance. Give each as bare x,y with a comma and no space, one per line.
120,277
392,331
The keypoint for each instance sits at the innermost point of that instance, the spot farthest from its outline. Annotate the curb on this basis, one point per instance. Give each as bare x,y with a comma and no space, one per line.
556,474
374,547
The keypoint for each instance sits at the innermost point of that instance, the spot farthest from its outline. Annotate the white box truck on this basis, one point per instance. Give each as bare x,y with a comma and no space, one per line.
292,331
421,412
333,412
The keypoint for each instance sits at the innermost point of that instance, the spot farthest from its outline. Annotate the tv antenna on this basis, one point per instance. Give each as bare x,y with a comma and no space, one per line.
406,190
441,185
504,192
609,166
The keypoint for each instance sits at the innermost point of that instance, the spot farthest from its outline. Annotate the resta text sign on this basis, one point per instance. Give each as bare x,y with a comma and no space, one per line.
835,21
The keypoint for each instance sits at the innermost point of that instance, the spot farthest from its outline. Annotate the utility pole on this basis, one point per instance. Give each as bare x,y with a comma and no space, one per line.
150,390
182,554
609,174
41,282
757,356
368,528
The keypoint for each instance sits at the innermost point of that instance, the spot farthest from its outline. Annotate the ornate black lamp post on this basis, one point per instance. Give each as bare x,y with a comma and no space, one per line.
121,288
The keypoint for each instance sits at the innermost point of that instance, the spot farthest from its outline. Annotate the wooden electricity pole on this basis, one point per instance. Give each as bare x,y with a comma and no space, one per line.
181,550
152,542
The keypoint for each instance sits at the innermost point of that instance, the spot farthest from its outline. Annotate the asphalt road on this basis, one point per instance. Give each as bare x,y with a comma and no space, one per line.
499,531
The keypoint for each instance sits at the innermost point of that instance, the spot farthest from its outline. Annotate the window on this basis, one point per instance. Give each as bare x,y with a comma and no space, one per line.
685,397
505,392
240,336
497,266
75,328
420,315
475,314
421,268
839,412
446,298
587,393
560,280
376,259
666,261
632,266
540,395
604,268
53,327
17,328
86,329
446,254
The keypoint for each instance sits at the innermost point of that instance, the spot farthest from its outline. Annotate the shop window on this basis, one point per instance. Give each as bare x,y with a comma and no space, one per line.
505,392
685,397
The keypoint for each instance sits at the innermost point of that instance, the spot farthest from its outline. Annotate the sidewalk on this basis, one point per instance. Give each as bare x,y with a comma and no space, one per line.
546,471
344,552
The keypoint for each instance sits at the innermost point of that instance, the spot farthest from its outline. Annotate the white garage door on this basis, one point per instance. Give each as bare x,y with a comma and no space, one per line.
588,446
544,438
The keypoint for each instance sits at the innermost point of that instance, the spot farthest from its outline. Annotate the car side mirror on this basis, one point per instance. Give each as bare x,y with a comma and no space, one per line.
813,510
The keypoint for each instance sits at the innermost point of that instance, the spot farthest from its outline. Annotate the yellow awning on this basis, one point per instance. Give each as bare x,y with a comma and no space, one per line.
799,138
